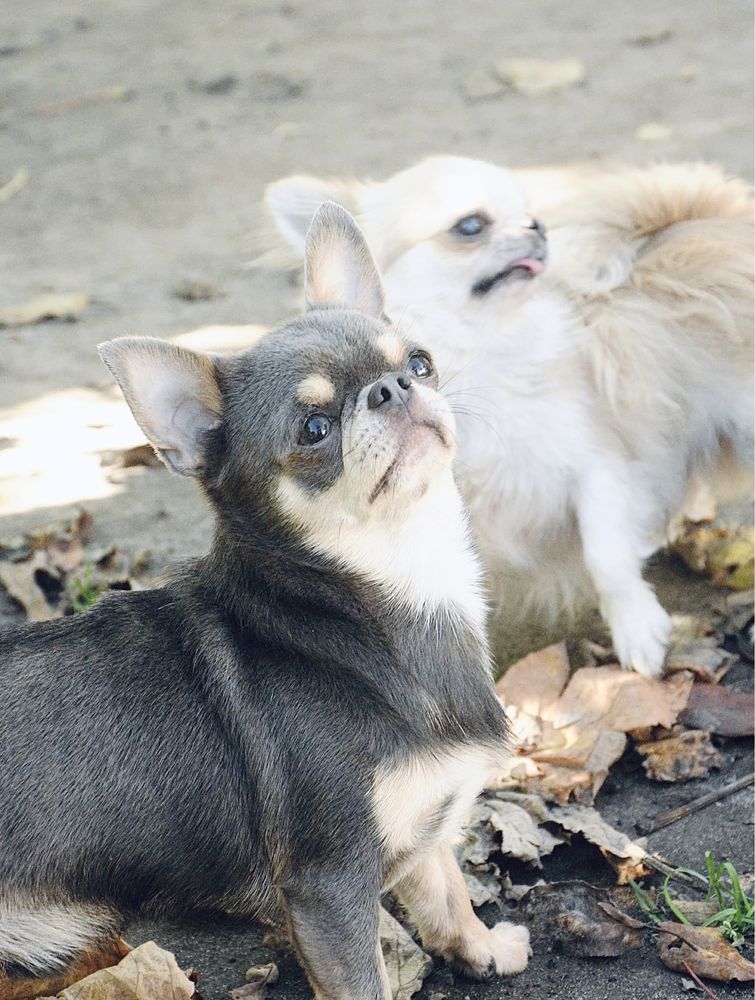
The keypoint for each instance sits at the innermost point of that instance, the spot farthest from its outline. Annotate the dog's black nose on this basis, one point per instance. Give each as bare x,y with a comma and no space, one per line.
389,390
537,225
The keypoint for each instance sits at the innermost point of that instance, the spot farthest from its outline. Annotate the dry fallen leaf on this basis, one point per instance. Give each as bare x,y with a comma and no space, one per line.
703,656
481,892
620,700
521,835
258,978
267,974
681,757
705,951
35,573
540,76
146,973
588,821
720,710
523,826
724,553
569,916
567,740
536,682
22,582
66,306
408,966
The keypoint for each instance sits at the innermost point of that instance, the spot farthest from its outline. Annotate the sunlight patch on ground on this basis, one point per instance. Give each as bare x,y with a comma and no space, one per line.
222,339
52,447
56,448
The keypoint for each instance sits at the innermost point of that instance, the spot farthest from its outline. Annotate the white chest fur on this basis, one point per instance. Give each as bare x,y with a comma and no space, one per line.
423,559
425,800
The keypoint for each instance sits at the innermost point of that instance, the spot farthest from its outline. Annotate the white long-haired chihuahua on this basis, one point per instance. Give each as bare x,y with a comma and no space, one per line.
592,393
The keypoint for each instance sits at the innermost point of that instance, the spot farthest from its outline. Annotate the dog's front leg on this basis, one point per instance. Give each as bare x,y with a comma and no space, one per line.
333,926
612,545
435,894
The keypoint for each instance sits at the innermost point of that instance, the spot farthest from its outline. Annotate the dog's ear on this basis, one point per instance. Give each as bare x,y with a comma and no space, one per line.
173,394
293,201
338,266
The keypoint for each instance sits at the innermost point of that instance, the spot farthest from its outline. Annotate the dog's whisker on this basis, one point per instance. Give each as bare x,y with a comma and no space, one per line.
465,411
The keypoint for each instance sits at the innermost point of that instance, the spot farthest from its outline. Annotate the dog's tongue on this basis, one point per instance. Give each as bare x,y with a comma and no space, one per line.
528,264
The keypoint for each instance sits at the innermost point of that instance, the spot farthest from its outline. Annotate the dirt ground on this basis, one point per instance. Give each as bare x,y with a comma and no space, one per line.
145,132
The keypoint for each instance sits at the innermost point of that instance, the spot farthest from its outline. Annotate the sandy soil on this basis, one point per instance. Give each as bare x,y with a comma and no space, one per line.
148,131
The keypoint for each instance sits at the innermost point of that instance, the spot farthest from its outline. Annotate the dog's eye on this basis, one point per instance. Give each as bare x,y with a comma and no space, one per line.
315,429
471,225
420,365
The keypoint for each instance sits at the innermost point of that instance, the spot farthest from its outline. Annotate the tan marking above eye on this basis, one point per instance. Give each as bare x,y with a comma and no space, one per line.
392,347
316,390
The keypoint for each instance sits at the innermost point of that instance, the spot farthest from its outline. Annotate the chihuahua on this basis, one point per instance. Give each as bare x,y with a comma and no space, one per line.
300,720
599,373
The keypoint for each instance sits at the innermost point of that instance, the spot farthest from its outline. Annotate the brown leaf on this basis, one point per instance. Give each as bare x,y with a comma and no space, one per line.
592,826
20,580
563,784
569,738
258,978
720,710
265,974
620,700
705,951
681,757
522,836
140,454
146,973
66,306
626,868
703,656
535,683
569,916
35,575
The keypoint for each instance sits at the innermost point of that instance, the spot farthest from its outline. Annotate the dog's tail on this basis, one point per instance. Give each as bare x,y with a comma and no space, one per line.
659,264
602,237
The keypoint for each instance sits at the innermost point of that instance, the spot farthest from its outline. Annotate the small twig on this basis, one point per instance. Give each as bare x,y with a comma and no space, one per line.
666,867
697,804
698,982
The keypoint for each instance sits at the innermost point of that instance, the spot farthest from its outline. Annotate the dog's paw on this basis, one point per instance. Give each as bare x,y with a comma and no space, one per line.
503,950
512,948
641,630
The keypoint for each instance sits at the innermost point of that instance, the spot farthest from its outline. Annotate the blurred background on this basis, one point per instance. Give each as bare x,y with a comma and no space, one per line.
136,138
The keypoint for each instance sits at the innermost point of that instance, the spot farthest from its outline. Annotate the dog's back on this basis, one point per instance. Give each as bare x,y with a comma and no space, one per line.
116,705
